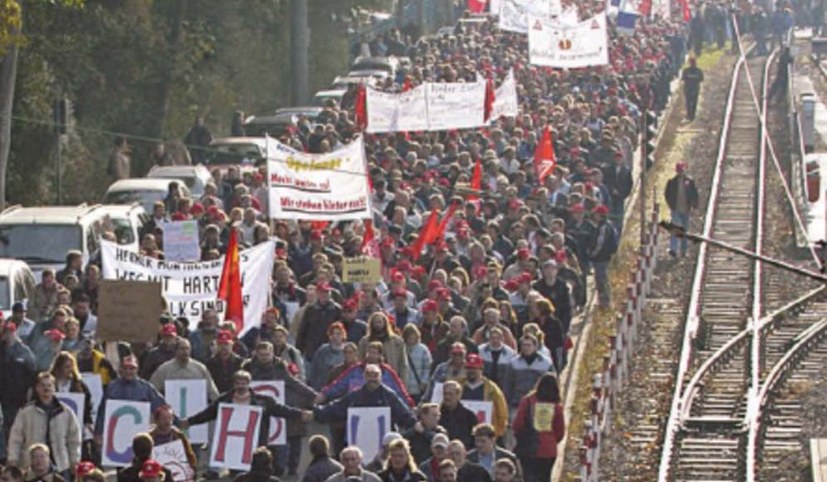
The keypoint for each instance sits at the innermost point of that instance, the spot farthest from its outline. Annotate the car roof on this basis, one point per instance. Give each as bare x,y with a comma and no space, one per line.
50,214
331,93
259,141
123,210
9,265
179,171
142,184
279,118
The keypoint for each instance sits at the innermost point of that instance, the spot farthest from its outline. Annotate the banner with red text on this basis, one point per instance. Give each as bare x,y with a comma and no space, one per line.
318,187
552,44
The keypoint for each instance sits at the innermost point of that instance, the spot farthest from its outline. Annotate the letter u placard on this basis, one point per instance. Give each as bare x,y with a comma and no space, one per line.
366,427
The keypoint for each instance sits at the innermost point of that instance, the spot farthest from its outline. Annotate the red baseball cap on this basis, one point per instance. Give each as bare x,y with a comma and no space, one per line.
84,468
473,361
602,209
323,288
429,305
523,253
225,337
169,330
55,335
151,469
349,305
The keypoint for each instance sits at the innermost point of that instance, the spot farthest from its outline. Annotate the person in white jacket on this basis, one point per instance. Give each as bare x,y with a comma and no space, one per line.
45,415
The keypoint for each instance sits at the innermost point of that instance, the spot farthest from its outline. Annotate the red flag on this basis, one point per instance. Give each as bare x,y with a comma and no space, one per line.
361,113
490,96
477,6
427,235
370,245
645,8
687,14
544,157
407,85
229,289
476,180
443,225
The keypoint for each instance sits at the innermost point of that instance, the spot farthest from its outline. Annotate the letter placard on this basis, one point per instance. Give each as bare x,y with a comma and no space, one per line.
278,426
483,410
188,397
95,385
123,419
75,401
366,427
235,437
173,457
362,270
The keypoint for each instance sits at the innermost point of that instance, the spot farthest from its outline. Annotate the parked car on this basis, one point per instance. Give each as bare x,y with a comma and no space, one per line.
244,152
142,190
272,125
195,177
41,236
17,283
323,96
345,81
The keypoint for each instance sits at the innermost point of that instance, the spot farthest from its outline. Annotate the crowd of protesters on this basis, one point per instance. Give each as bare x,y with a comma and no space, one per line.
481,314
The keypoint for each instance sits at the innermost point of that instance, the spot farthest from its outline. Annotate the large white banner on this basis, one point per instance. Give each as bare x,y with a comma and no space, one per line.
191,288
188,397
505,99
318,187
552,44
396,112
456,105
514,13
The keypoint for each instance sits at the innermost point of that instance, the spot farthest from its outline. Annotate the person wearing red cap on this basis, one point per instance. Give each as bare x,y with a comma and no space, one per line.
601,252
317,317
682,197
475,386
401,310
432,328
225,362
163,352
152,471
45,420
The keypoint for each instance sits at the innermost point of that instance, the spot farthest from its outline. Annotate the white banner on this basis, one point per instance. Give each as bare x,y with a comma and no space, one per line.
552,44
456,105
505,98
278,426
181,241
392,112
188,397
191,288
318,187
366,427
514,13
123,420
173,456
235,437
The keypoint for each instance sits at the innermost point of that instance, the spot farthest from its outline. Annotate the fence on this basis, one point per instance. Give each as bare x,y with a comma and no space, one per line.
608,384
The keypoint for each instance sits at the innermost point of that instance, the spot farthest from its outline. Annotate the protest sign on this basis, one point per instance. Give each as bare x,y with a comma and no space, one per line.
362,270
95,385
366,426
235,436
436,394
173,457
188,397
129,310
543,416
514,13
318,187
75,401
397,112
456,105
122,420
192,288
505,99
483,410
278,426
181,241
553,44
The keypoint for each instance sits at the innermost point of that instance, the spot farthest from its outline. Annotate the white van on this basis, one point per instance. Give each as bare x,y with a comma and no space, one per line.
41,236
16,284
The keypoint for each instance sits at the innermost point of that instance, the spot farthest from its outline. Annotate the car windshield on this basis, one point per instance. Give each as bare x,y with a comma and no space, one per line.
188,180
147,198
237,153
39,243
5,293
122,227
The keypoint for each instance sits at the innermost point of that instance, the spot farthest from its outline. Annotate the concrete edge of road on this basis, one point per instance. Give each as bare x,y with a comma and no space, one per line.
571,376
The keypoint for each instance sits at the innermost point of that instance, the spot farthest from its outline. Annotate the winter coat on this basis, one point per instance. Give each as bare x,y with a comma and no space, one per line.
353,379
313,330
524,375
547,439
17,374
419,369
55,425
499,413
298,394
320,469
401,414
324,360
394,350
496,372
459,423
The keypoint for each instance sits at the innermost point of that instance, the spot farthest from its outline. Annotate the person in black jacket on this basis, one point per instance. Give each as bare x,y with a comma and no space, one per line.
605,245
321,466
242,394
142,446
458,420
420,435
261,468
618,180
17,372
466,471
681,197
555,290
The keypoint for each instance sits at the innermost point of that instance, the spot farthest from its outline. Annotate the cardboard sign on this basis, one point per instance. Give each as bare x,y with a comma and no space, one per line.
95,385
188,397
543,416
123,419
129,310
192,288
362,270
181,241
278,426
75,401
235,437
483,410
366,427
173,456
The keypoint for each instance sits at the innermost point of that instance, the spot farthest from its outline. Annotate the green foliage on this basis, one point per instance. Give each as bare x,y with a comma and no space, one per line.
125,71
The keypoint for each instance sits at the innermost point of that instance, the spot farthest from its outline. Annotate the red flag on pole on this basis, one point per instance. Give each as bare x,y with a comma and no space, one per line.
687,14
477,6
370,245
229,289
645,8
476,180
361,113
544,158
490,96
427,235
443,225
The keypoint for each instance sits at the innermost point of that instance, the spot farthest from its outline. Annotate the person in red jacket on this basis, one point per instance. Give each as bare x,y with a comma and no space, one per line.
539,419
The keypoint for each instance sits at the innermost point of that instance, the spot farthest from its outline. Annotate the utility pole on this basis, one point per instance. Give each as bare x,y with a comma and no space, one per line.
299,45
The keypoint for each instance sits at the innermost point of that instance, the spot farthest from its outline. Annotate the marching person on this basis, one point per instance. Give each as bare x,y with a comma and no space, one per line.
681,197
692,77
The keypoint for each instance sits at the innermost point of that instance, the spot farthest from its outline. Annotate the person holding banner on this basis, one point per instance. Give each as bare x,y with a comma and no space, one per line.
183,367
164,432
225,362
477,387
47,421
